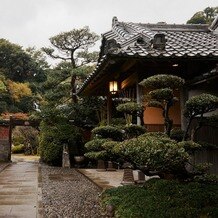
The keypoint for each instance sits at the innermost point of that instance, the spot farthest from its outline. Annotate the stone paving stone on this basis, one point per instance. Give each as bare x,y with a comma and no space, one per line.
28,211
18,193
5,210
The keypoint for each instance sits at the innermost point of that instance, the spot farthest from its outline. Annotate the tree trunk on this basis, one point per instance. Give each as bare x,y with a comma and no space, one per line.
200,124
73,89
73,80
187,129
167,121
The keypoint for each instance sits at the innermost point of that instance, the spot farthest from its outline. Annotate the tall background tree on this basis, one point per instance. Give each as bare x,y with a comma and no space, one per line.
204,17
21,72
73,47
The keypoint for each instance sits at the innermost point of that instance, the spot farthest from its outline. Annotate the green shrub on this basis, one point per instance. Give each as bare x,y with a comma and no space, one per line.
108,132
95,150
157,153
95,144
18,149
118,122
161,94
155,134
206,145
109,148
96,155
200,104
206,178
130,107
28,136
133,131
177,134
109,145
162,81
52,139
197,106
189,146
163,198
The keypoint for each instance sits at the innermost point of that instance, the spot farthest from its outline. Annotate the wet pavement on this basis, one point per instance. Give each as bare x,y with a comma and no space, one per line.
19,190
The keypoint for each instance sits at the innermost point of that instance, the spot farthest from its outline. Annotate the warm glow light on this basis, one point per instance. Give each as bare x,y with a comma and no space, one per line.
175,65
113,87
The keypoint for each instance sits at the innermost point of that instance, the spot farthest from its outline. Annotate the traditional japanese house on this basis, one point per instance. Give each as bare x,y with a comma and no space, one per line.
130,52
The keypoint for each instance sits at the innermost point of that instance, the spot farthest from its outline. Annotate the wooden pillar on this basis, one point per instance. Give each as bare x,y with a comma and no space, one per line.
109,108
10,137
138,99
183,99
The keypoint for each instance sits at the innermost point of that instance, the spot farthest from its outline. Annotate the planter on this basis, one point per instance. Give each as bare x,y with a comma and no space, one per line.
79,159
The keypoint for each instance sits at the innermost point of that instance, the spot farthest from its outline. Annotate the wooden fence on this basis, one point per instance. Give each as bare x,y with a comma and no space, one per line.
207,156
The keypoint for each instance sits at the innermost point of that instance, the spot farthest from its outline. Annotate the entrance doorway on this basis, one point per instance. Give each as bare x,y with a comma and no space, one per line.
27,129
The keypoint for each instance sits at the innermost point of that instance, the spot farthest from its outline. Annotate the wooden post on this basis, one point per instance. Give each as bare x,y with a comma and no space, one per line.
10,137
109,108
138,100
183,98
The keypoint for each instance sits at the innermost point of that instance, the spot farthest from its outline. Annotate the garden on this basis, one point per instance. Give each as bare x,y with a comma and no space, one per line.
178,186
182,189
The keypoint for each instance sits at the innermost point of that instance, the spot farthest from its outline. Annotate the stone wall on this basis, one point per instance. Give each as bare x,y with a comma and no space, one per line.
5,154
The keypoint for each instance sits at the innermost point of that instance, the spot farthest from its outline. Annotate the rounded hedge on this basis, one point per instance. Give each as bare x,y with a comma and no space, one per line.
162,81
130,108
95,144
133,131
108,132
160,154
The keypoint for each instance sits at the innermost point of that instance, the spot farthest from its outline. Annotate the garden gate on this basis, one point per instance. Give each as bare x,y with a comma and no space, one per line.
6,127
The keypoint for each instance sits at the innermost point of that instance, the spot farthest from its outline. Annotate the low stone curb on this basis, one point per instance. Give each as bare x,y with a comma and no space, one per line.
94,182
39,209
3,166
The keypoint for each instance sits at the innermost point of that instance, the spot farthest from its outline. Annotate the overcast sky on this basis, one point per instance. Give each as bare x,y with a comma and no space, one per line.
32,22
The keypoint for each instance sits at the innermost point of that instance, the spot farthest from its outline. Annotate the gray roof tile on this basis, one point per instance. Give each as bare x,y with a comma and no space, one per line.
182,40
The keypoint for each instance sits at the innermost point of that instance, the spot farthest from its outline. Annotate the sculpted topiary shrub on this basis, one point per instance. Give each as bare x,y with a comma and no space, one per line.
109,148
129,109
152,153
197,106
95,144
162,95
177,134
108,132
190,146
95,150
133,131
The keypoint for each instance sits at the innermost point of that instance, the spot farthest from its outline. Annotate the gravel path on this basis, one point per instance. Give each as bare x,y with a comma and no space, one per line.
67,193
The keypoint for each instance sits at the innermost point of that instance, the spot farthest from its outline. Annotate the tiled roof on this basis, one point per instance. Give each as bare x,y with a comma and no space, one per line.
181,40
137,40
